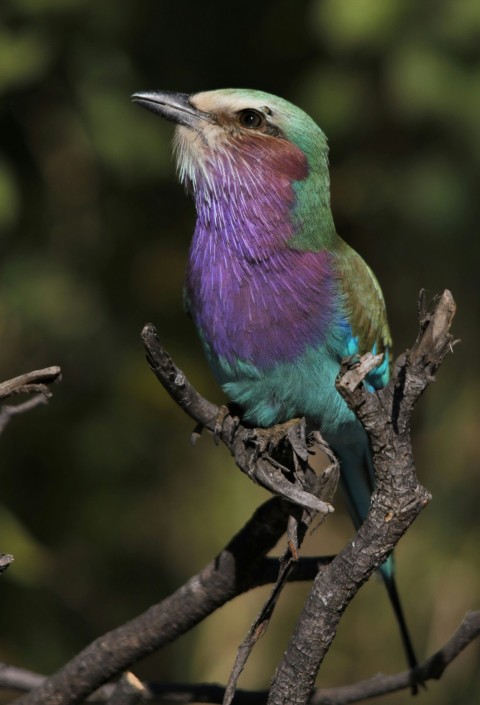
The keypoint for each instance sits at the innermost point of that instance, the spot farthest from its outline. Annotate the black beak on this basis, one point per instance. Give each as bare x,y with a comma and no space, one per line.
176,107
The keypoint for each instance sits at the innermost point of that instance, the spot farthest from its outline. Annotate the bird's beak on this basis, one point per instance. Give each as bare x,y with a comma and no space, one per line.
176,107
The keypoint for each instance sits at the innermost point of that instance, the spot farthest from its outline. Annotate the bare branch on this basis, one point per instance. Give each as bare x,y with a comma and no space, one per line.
397,500
260,466
251,456
36,381
13,678
355,375
267,571
30,383
299,521
432,669
236,569
7,412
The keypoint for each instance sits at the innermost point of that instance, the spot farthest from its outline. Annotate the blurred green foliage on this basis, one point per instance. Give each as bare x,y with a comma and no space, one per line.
105,505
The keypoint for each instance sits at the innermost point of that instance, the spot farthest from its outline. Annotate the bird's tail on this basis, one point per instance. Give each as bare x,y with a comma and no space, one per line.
357,479
390,584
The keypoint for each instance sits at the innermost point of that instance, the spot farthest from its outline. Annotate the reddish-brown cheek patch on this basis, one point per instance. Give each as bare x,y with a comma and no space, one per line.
272,154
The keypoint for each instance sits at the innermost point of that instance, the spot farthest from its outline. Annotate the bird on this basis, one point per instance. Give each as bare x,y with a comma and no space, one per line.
278,298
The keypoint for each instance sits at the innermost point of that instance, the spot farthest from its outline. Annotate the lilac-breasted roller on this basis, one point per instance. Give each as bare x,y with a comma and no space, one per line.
278,298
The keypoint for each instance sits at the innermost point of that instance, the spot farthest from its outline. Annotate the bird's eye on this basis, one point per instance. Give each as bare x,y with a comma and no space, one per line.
251,119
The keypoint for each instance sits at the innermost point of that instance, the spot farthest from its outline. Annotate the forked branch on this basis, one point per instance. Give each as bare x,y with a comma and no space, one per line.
397,500
243,563
12,678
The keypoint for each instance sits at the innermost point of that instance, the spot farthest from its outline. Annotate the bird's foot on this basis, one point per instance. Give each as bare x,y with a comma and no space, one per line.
285,445
223,414
271,442
266,440
278,461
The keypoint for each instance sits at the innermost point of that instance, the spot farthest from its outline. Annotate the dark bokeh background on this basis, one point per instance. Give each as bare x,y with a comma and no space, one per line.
104,504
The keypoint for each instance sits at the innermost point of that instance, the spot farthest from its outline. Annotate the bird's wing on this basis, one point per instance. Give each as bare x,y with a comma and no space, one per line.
365,309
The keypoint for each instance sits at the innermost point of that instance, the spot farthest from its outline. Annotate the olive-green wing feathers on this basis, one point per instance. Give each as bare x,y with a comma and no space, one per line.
364,302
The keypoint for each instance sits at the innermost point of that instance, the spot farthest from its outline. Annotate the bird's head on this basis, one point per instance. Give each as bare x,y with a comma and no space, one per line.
215,128
250,157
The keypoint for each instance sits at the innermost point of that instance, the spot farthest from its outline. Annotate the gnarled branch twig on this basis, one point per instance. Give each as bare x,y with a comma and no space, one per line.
250,456
35,382
241,566
397,500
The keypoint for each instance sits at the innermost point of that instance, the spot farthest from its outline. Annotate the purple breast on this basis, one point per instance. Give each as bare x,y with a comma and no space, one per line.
252,297
263,312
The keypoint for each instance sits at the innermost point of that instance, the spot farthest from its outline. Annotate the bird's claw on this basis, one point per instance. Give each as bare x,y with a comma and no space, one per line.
267,439
225,413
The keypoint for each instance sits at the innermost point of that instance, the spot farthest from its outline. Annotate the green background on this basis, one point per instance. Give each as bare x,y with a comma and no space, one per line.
104,503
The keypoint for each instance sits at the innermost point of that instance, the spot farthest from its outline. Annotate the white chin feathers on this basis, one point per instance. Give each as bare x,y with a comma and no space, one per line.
199,154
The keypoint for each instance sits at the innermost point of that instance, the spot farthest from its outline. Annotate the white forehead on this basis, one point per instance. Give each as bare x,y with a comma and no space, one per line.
231,100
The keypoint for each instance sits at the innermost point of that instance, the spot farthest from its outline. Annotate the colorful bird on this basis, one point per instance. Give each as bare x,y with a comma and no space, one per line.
278,298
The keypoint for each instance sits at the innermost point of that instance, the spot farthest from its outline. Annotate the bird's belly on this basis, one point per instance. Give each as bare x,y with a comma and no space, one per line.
302,387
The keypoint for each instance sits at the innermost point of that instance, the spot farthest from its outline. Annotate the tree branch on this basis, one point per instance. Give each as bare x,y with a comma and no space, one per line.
432,669
251,455
13,678
35,382
239,567
270,457
299,522
397,500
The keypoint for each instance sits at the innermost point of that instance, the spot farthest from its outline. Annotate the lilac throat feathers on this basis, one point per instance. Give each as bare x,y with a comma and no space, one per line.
250,294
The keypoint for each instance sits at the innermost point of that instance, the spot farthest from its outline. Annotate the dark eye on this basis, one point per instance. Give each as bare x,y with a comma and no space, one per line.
251,119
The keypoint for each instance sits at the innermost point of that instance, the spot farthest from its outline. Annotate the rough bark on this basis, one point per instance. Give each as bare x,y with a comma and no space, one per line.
277,458
397,500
